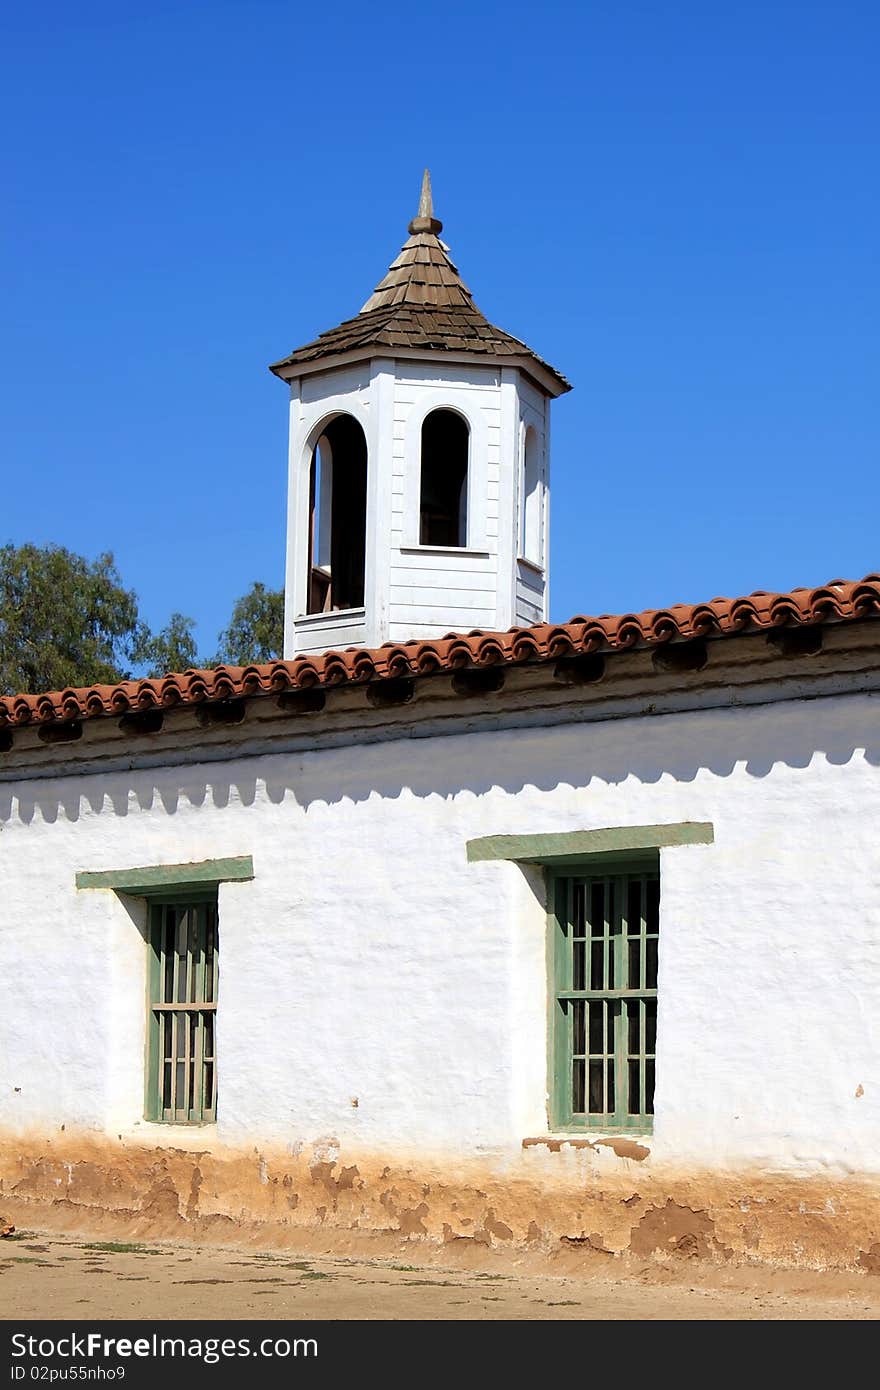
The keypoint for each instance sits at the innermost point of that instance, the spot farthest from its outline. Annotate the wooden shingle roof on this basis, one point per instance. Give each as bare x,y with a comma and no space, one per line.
421,305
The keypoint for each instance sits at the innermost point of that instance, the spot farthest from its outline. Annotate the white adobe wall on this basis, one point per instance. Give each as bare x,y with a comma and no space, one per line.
367,960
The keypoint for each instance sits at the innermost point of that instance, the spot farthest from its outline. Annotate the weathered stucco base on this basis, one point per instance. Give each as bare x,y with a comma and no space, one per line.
548,1199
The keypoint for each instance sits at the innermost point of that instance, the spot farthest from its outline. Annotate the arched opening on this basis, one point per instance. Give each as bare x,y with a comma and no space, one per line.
444,479
338,518
530,517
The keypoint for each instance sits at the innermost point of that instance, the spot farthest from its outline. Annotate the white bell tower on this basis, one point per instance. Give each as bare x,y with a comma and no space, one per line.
418,499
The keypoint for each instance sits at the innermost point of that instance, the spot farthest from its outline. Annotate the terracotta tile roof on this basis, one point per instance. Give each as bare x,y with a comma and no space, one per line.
841,601
422,303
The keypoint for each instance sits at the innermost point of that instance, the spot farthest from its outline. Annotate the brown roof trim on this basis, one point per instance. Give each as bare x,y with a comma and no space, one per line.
543,376
841,601
459,335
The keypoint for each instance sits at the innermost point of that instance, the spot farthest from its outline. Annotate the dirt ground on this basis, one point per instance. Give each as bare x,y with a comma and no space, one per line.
73,1277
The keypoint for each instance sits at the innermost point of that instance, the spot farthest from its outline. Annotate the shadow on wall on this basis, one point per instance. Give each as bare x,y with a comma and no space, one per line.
572,755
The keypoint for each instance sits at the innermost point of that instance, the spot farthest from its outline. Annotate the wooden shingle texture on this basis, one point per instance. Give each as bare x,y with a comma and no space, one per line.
422,304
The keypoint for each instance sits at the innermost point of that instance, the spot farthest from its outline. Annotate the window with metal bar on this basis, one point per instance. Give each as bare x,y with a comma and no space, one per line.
182,1007
604,928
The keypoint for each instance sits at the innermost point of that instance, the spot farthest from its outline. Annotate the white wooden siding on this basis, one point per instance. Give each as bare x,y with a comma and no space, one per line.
342,382
442,588
321,632
462,376
410,590
408,596
529,595
435,622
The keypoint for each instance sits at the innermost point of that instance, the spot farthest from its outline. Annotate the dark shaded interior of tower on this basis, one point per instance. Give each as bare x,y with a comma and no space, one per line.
443,508
338,517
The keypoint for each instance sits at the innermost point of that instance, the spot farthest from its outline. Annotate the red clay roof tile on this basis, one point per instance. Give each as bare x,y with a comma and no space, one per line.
840,601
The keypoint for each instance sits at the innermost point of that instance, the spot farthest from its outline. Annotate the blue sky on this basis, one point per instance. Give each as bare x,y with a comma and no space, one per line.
675,203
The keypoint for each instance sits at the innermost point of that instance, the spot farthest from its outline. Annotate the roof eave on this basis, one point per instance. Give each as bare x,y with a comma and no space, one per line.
544,376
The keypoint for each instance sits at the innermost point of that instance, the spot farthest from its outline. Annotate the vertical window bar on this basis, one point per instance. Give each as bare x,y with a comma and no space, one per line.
186,1019
203,948
179,1019
579,907
579,1045
566,889
643,925
642,1109
608,982
155,1108
621,981
186,937
215,974
210,1018
211,1079
610,1029
195,951
209,958
167,1063
172,1107
650,1052
578,932
200,1072
169,938
178,914
193,1031
201,994
158,934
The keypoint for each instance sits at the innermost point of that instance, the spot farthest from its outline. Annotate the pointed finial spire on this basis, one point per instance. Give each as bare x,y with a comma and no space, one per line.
425,221
426,202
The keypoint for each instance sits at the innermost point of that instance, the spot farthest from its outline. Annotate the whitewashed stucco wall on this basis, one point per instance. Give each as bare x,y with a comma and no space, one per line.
369,960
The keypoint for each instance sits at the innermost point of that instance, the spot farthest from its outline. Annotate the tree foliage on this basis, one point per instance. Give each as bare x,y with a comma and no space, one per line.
64,620
171,649
69,621
256,628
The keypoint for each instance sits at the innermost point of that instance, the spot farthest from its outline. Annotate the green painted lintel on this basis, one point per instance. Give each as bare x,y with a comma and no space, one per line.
571,844
161,878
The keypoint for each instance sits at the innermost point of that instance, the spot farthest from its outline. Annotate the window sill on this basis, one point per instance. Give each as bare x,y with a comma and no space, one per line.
183,1124
332,615
625,1143
191,1137
530,565
444,550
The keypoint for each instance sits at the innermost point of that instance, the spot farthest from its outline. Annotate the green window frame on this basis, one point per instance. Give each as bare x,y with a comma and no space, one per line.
604,929
182,983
